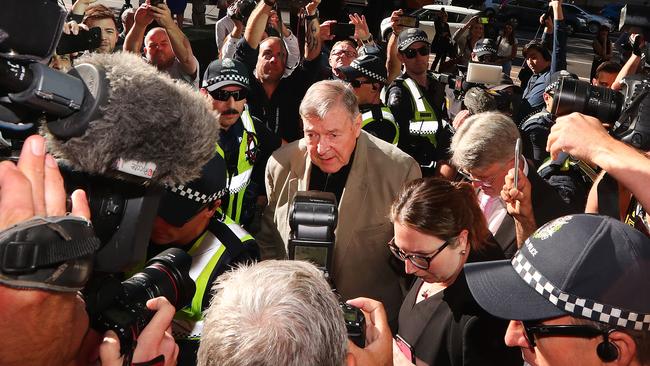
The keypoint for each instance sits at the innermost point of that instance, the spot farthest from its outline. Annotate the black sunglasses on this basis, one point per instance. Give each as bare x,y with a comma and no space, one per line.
419,261
583,331
357,83
412,52
224,95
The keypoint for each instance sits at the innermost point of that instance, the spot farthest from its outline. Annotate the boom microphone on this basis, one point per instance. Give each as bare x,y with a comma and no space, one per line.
134,122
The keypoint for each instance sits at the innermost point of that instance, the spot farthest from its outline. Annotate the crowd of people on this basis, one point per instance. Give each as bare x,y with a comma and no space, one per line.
473,224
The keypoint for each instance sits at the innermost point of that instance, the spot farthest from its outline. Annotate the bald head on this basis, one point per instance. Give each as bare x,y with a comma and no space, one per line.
157,48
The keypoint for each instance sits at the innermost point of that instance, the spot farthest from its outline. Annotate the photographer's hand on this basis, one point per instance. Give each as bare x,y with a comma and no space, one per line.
361,30
35,187
519,204
579,135
155,339
379,340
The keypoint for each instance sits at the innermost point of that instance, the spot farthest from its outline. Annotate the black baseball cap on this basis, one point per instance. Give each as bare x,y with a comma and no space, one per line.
409,36
180,203
225,72
369,66
587,266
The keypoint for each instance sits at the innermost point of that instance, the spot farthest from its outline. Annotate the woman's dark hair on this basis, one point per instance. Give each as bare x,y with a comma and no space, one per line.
511,36
441,208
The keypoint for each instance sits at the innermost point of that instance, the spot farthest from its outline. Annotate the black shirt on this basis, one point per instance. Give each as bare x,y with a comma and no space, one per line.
280,112
334,182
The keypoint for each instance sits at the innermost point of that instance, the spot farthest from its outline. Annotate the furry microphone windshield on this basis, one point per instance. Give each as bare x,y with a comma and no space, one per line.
140,123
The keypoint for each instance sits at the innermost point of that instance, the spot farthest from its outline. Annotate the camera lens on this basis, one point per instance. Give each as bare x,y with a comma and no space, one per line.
580,96
166,274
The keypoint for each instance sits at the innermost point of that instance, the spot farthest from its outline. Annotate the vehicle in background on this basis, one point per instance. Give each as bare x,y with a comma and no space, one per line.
593,21
428,14
612,11
526,13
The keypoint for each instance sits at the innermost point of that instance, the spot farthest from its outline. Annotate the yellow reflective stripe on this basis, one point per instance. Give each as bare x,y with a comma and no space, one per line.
202,283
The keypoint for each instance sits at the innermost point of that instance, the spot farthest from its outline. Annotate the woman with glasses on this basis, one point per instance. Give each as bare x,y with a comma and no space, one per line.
438,228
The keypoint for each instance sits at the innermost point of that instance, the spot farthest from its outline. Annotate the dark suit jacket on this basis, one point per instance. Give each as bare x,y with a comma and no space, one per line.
451,329
547,205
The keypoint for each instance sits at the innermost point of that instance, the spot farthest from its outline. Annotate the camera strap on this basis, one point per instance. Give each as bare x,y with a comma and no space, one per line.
49,253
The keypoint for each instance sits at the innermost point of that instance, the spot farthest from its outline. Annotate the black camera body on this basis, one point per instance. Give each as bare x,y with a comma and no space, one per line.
121,306
241,9
313,218
355,323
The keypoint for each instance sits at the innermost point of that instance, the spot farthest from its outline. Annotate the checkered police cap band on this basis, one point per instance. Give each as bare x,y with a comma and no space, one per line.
196,196
405,43
552,86
217,82
368,73
575,305
485,48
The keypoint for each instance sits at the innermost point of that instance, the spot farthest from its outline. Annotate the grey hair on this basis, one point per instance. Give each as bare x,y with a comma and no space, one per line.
275,312
324,95
484,139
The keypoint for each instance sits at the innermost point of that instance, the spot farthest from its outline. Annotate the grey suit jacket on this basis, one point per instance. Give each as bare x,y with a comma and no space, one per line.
362,261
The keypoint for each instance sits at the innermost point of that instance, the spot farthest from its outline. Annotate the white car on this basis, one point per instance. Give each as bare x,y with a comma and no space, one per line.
426,15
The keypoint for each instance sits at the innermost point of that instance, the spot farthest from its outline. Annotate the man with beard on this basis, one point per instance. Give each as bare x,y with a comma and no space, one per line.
245,143
165,47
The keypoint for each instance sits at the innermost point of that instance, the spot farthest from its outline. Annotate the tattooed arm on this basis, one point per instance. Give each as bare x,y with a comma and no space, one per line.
313,43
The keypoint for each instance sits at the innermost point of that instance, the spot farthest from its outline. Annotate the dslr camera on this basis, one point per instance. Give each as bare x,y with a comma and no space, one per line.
313,218
241,9
121,306
628,111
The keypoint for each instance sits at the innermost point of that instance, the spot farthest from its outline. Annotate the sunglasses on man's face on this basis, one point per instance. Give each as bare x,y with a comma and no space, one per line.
224,95
412,52
357,83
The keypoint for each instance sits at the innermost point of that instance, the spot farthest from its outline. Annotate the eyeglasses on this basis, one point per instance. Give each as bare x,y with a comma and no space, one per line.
357,83
584,331
487,183
412,52
224,95
345,53
419,261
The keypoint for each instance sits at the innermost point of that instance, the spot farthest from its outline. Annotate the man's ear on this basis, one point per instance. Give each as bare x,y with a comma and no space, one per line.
204,91
626,347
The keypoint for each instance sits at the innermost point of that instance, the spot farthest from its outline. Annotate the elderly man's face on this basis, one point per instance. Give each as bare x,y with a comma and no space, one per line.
491,177
554,350
158,49
331,140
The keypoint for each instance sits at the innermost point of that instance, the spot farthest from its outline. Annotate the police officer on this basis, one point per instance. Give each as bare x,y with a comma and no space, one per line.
245,142
367,76
417,101
186,219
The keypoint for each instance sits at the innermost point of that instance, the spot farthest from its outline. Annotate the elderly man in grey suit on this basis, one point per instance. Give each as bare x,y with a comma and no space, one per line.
365,174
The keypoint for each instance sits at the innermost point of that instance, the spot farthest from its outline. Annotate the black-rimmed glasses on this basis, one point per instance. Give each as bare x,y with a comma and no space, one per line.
584,331
419,261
